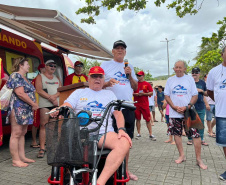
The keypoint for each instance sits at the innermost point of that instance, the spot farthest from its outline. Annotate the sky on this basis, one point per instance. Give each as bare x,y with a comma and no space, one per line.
143,31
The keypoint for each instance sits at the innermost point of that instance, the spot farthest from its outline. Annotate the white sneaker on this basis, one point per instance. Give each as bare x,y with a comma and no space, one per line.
138,136
152,137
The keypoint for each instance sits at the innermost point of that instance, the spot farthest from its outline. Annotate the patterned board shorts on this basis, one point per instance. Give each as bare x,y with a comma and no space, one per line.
176,125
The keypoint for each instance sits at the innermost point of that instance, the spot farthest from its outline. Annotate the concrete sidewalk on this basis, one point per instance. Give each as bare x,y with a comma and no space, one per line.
152,161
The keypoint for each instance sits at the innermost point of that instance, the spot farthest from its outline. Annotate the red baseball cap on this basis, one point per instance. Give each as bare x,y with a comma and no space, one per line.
140,73
96,70
78,63
41,66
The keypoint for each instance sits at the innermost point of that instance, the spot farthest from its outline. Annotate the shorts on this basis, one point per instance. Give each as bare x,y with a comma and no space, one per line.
144,111
176,125
221,131
152,108
209,113
160,107
167,118
129,117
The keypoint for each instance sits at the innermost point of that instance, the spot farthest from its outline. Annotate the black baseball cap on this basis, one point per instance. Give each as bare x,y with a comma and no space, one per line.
195,70
118,43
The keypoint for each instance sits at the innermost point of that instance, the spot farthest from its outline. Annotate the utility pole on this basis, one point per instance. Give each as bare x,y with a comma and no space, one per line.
167,44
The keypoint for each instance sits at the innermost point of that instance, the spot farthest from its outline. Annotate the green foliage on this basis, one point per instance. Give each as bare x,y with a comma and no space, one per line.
92,7
147,77
88,64
209,55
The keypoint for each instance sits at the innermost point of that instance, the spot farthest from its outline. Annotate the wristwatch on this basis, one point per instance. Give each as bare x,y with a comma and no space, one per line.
190,104
122,128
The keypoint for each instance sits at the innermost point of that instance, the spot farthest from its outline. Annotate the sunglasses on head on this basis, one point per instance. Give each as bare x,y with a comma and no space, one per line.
97,76
52,65
195,72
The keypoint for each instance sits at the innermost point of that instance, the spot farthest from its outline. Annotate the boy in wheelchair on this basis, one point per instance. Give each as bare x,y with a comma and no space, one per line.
95,99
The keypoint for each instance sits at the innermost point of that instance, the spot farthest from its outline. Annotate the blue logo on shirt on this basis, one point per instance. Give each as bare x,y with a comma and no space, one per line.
223,85
120,75
94,106
179,90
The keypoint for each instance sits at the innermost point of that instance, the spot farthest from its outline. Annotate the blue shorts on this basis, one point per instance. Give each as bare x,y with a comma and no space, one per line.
167,118
221,131
210,113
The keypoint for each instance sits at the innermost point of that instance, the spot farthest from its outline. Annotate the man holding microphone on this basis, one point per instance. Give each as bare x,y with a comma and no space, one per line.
120,78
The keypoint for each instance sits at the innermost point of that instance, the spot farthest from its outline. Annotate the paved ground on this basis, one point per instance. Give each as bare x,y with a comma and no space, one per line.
152,161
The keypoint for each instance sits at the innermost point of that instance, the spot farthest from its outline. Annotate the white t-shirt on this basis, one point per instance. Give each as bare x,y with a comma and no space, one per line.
152,99
122,90
94,101
180,90
216,81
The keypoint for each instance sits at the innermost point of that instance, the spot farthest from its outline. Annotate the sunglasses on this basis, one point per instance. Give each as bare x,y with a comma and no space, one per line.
139,75
95,76
52,65
79,65
195,72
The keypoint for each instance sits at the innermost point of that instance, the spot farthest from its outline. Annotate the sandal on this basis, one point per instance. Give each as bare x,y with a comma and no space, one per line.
35,146
189,143
41,153
213,135
204,143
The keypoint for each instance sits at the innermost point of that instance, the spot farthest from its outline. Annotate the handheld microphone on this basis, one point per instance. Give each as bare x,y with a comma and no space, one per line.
126,64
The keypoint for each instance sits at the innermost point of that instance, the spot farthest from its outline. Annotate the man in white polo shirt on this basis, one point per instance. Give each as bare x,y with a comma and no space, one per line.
216,89
181,91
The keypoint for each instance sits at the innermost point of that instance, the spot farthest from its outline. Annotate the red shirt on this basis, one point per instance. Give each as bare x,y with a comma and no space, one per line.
142,100
73,78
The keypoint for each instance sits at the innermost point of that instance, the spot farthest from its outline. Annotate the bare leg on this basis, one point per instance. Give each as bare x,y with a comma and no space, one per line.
153,113
224,148
21,147
138,126
15,138
178,141
149,127
197,145
34,135
119,147
42,132
162,115
209,127
213,124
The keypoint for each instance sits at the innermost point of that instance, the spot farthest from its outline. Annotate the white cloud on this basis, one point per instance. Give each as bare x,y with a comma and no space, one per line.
144,30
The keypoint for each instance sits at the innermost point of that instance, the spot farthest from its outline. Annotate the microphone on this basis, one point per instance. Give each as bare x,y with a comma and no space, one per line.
126,64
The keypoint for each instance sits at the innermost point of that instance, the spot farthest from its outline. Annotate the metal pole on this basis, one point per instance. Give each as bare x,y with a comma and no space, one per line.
167,41
167,45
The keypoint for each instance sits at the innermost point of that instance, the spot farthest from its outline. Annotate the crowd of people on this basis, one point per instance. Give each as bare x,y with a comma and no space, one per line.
113,80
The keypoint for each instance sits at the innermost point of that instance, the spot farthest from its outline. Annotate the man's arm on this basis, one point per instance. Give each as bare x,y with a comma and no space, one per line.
206,103
133,83
210,94
120,121
169,101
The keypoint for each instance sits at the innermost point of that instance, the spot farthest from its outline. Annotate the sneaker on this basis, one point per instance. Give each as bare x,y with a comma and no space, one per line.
138,136
223,176
152,137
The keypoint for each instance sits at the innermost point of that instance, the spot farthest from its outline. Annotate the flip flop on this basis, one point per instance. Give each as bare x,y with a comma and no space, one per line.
204,143
213,136
155,121
35,146
189,143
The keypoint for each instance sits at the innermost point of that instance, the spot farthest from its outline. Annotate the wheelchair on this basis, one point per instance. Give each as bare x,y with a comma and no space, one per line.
72,148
